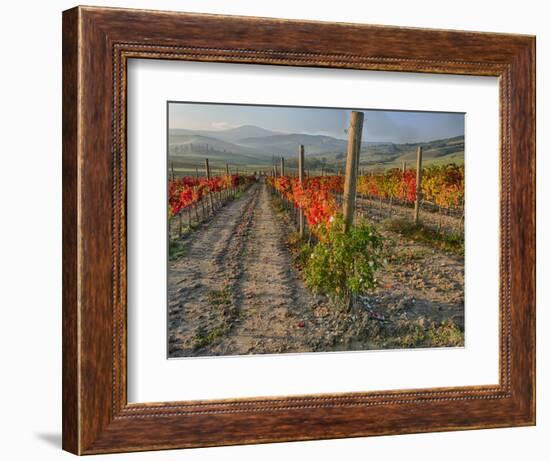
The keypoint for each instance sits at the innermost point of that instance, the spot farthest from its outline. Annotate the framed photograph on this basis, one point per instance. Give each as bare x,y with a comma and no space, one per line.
282,230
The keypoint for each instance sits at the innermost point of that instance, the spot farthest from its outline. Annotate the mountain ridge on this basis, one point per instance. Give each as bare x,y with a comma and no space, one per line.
189,146
229,134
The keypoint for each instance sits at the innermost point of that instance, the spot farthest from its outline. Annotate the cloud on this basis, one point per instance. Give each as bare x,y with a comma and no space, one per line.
222,125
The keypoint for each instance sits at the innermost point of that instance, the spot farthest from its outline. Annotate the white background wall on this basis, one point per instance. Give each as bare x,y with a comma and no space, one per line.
30,227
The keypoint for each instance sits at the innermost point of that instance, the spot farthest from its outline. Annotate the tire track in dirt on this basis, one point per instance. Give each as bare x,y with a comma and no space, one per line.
275,308
208,268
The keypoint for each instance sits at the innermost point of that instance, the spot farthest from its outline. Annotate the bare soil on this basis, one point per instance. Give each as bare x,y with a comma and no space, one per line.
379,211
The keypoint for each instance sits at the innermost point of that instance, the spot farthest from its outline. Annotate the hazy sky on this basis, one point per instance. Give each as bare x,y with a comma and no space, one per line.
380,125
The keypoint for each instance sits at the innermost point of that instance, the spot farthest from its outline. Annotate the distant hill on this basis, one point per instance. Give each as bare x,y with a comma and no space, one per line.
229,135
181,144
450,150
197,148
287,144
252,145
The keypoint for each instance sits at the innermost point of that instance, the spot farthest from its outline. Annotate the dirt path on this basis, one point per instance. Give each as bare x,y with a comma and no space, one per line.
275,308
205,273
235,291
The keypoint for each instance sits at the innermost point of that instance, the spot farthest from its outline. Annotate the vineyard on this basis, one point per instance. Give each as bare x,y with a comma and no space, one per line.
191,200
320,197
246,278
441,185
272,262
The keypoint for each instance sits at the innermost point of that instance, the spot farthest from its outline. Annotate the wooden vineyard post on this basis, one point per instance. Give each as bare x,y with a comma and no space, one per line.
350,182
404,167
358,159
172,177
203,209
418,184
282,166
301,220
225,192
211,200
196,208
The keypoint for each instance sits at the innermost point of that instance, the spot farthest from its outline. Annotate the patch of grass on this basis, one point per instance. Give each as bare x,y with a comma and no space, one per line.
277,203
223,313
415,336
238,194
408,256
452,243
220,300
447,334
176,250
205,337
300,249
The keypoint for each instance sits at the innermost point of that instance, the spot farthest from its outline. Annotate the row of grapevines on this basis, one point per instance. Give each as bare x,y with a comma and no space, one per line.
315,196
442,185
186,191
